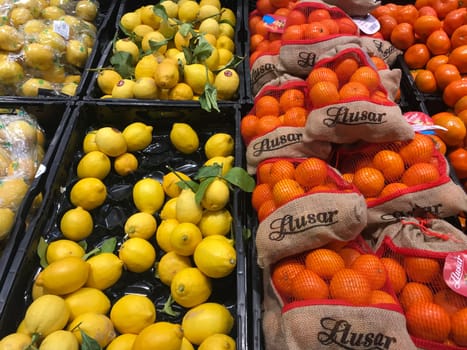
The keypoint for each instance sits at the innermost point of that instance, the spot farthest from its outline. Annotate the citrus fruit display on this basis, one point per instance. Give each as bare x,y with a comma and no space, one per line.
94,264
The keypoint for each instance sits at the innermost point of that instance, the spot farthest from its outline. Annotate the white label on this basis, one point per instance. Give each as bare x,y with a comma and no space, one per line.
62,28
367,24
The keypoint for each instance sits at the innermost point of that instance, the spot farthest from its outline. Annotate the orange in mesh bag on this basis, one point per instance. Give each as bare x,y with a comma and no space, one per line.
301,204
434,295
275,126
349,102
311,29
402,177
337,296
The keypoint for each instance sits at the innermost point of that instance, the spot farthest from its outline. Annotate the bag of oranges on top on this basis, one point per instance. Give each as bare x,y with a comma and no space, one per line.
301,204
349,103
312,28
333,297
431,287
400,178
275,126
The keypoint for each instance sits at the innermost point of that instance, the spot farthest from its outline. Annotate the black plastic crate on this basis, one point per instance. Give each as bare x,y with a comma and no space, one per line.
110,217
93,92
52,117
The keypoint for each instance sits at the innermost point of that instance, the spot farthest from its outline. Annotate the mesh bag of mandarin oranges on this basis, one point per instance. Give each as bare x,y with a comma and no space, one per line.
311,29
301,204
338,296
274,127
349,102
400,178
430,284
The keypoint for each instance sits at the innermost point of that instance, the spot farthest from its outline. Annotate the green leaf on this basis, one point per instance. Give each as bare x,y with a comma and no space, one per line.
83,244
186,28
203,185
159,10
88,342
201,48
192,185
233,63
208,171
168,308
239,177
246,233
108,246
208,98
156,45
126,32
42,251
123,64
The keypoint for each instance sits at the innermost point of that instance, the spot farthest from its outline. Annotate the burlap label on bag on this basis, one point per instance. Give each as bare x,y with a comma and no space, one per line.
345,327
265,69
440,200
436,235
299,57
360,120
283,142
310,222
380,48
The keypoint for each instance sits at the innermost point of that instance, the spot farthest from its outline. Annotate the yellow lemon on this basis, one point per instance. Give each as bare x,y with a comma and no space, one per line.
97,326
36,290
206,319
88,193
140,224
212,62
197,75
122,342
227,15
154,38
226,83
107,79
170,183
166,75
145,88
217,222
159,335
15,341
7,220
94,164
146,67
11,72
76,53
225,56
140,31
181,92
170,264
169,210
225,162
123,89
53,40
190,287
224,42
137,136
85,300
184,138
215,3
35,25
69,89
207,10
38,56
168,27
19,16
130,20
110,141
181,41
11,39
187,209
12,192
184,238
209,26
72,78
137,254
63,248
216,196
65,340
188,11
164,230
76,224
226,29
125,164
132,313
219,144
64,276
186,345
46,314
89,142
171,8
149,17
148,195
86,10
32,86
105,269
216,258
218,341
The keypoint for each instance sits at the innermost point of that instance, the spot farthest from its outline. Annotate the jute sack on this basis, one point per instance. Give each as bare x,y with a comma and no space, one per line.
350,120
310,221
354,7
266,68
380,48
436,235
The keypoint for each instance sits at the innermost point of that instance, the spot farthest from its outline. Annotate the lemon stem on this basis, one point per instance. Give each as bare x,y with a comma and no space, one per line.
91,253
168,308
35,338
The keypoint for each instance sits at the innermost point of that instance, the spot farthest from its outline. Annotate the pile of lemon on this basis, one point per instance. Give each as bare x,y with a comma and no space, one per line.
22,143
45,44
69,300
159,46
